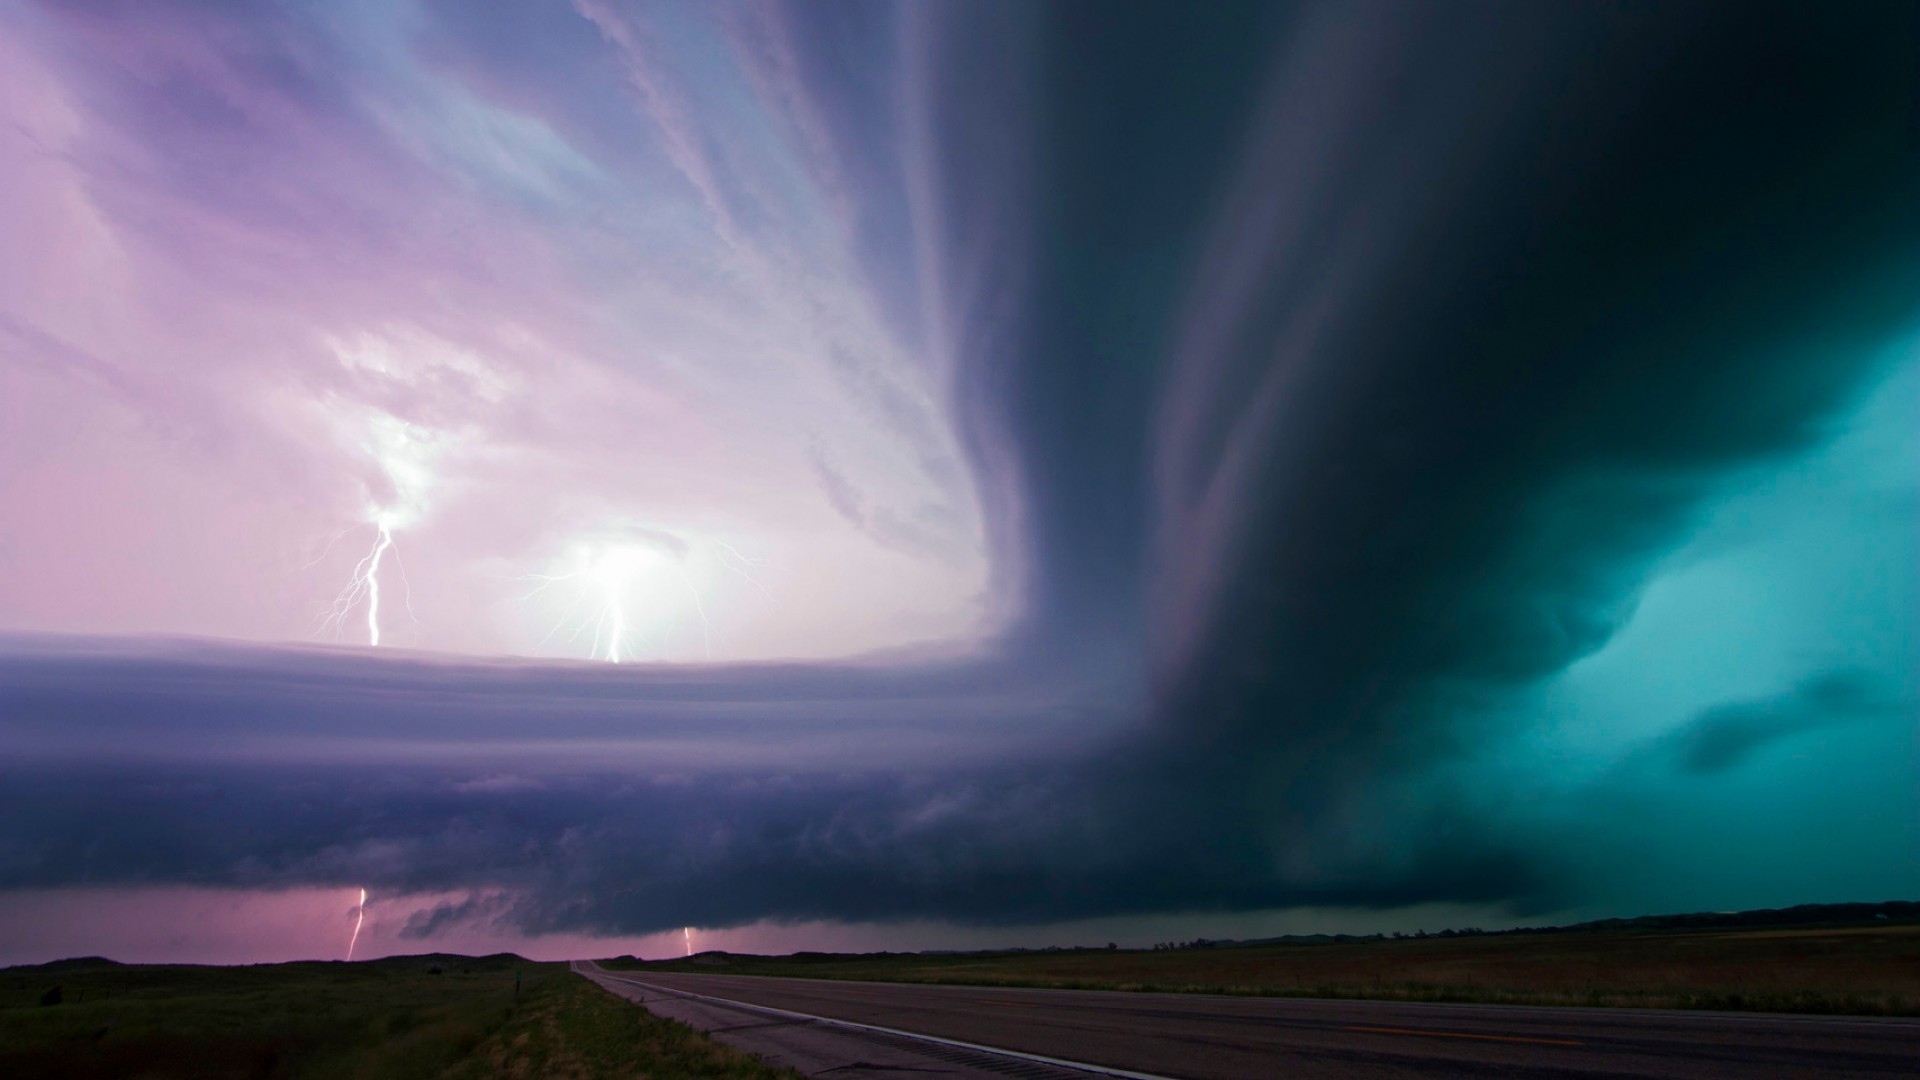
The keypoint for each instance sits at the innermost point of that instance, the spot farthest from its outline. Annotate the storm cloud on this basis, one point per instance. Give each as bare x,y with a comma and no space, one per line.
1721,738
1328,379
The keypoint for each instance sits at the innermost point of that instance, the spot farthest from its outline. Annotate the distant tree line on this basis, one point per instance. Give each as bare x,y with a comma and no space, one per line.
1868,914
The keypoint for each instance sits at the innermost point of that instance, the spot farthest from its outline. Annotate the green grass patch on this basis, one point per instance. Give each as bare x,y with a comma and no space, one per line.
427,1016
577,1031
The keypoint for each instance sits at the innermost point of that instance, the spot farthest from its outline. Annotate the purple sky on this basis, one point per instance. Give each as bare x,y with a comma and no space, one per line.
278,277
1062,472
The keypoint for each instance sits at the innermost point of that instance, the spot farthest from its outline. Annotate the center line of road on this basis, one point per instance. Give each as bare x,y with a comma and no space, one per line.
1463,1035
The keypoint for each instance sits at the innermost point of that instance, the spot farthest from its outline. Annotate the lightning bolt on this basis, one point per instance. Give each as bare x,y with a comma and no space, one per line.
610,618
732,559
687,932
617,628
380,546
363,585
603,582
359,916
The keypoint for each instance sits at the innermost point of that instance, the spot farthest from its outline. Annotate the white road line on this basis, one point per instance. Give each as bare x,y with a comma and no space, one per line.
1104,1070
1582,1012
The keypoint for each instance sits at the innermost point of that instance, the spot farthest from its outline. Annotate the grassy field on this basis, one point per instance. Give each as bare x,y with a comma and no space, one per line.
1859,971
436,1016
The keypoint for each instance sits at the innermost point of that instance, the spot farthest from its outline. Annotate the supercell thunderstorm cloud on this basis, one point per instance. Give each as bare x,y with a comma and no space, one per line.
1132,465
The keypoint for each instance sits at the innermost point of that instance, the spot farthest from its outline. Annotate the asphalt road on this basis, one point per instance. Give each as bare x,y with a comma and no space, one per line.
1205,1037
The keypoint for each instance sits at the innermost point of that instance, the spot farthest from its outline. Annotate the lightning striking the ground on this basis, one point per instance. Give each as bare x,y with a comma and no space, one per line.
687,932
380,547
359,917
605,583
616,628
601,580
363,587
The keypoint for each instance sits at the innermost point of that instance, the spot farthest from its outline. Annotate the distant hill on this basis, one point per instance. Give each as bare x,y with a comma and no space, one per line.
451,961
76,963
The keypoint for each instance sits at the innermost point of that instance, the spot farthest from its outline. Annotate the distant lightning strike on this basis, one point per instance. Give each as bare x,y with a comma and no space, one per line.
603,586
616,628
363,585
380,547
610,618
359,917
687,932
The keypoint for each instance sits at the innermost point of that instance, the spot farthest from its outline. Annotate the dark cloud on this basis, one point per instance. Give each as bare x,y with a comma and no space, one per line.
1344,368
483,908
1631,251
198,700
840,491
1724,737
621,853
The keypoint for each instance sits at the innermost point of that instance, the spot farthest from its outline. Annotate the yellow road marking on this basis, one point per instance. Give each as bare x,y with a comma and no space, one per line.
1463,1035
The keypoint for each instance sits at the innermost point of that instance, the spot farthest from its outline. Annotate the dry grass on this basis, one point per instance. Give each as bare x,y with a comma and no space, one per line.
1859,971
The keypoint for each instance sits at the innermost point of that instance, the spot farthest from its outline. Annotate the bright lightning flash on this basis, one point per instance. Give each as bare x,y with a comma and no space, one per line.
687,931
363,586
611,577
359,917
603,585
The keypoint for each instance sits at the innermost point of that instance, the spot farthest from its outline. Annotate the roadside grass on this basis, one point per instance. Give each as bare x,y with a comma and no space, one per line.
577,1031
423,1016
1846,971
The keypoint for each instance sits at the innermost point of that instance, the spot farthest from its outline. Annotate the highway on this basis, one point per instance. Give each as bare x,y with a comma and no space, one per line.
1205,1037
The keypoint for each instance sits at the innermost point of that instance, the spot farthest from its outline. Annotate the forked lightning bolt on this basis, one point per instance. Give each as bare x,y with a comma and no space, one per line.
364,586
732,559
610,618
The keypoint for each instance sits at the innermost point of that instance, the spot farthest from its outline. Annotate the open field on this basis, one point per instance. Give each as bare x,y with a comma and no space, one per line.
1849,970
426,1016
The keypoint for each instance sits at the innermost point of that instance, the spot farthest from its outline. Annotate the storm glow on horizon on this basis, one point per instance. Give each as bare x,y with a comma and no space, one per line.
913,475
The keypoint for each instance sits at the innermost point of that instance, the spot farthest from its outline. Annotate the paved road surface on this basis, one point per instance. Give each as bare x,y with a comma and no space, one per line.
825,1048
1202,1037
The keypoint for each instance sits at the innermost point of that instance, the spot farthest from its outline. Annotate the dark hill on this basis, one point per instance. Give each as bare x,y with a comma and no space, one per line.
72,963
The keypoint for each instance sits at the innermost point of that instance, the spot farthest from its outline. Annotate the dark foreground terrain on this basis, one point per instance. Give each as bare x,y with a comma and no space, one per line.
1861,970
812,1024
422,1016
